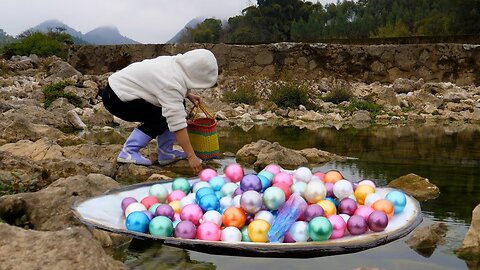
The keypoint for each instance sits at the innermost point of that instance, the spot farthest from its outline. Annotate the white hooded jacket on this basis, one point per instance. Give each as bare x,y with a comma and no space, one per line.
163,82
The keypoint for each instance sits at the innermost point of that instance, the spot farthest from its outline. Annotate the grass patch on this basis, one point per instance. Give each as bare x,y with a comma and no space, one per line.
358,105
245,93
289,95
339,93
53,91
4,68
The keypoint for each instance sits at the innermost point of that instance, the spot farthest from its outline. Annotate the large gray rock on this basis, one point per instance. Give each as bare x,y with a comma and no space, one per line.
425,240
20,174
470,248
63,70
417,186
71,248
20,128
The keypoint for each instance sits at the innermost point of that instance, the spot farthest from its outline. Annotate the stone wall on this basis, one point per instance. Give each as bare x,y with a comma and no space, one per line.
457,63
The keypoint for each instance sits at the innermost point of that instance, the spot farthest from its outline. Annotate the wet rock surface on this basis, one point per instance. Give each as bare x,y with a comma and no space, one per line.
425,240
417,186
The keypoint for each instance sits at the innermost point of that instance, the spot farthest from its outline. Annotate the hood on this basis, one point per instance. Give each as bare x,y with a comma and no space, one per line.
200,69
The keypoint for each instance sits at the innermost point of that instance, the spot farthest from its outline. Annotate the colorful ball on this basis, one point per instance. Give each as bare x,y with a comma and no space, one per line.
299,231
176,195
209,231
161,226
234,216
357,225
377,221
202,192
159,191
228,189
265,215
320,229
212,216
385,206
181,184
236,200
257,231
363,211
217,182
126,202
299,187
315,191
251,201
283,178
329,187
234,172
339,226
209,202
207,174
320,175
176,206
191,212
149,201
153,207
226,202
273,198
189,199
302,174
251,182
332,176
244,232
137,221
329,208
134,207
398,199
149,214
347,206
345,217
165,210
371,198
367,182
266,174
285,188
231,234
362,191
273,168
199,185
265,182
342,189
185,229
313,211
238,191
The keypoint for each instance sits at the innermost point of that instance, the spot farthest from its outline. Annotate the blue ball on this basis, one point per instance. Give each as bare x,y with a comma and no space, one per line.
398,199
217,182
265,182
137,221
209,202
202,192
218,194
332,200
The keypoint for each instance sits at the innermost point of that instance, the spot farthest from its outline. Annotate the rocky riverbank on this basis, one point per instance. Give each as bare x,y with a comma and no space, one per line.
51,156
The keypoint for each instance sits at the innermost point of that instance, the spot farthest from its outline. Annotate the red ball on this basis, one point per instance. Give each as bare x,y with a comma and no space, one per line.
285,188
149,201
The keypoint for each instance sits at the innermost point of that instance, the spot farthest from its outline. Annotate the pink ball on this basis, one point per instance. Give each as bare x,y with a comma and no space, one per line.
234,172
320,175
273,168
209,231
176,216
176,195
339,226
149,201
191,212
283,178
364,211
206,174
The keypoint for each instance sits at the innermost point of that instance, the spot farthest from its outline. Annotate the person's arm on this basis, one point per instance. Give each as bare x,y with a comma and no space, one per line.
184,141
194,98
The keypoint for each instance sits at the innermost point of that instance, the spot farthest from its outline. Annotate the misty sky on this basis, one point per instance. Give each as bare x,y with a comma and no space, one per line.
146,21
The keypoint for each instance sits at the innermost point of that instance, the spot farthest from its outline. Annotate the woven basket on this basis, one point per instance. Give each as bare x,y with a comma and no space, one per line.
203,134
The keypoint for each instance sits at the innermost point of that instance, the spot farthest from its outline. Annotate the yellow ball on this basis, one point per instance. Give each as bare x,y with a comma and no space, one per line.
362,191
257,230
176,205
328,207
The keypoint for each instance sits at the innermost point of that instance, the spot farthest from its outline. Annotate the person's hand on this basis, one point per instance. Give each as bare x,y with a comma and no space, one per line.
194,98
195,164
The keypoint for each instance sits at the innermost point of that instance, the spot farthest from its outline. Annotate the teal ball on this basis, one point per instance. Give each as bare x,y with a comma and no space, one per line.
265,182
161,226
181,184
320,229
244,232
137,221
273,198
398,199
217,182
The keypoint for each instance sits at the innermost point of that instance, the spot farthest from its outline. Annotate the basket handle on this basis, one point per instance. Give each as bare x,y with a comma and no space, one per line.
193,112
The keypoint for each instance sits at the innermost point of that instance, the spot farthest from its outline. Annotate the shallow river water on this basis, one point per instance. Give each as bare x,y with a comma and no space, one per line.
449,156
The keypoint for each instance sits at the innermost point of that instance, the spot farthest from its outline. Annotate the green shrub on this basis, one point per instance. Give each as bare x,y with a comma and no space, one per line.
289,95
245,93
53,91
4,68
339,94
41,44
357,105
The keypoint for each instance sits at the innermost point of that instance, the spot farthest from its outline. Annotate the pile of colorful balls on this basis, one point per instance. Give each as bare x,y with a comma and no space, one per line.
275,206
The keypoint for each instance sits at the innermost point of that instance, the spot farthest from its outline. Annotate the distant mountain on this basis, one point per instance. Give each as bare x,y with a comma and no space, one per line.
191,24
105,35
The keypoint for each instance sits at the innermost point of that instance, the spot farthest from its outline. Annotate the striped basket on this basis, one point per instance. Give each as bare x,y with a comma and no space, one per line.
203,134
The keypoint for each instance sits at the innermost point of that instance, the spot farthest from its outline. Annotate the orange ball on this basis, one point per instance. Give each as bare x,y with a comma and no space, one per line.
176,205
234,216
332,176
361,192
257,230
329,208
385,206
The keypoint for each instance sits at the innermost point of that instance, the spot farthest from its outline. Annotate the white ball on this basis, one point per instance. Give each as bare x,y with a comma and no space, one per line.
200,185
299,187
368,183
371,198
342,189
212,216
187,200
133,207
299,231
231,234
228,189
236,200
345,217
159,191
265,215
315,192
226,202
302,174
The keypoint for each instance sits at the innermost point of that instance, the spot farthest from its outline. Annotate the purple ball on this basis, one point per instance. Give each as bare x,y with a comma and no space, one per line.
357,225
237,191
127,201
347,206
251,182
377,221
149,214
329,187
313,211
288,238
165,210
185,229
250,218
